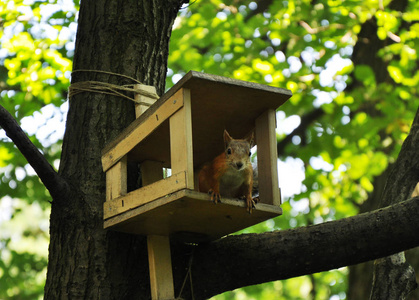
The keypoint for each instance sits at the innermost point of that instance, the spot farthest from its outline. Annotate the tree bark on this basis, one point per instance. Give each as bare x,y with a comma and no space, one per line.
393,277
85,261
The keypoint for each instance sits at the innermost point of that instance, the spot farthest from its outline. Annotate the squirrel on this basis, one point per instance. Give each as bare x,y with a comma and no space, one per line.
231,173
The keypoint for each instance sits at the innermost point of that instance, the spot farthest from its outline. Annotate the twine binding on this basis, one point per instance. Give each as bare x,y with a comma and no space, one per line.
108,88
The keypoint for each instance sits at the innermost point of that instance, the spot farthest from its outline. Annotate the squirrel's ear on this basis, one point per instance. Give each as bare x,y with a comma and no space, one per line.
227,138
251,139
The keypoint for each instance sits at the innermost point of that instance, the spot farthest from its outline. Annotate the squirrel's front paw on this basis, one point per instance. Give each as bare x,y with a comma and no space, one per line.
215,197
251,204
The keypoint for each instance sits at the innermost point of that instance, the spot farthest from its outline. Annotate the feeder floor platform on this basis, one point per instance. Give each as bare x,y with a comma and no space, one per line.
190,216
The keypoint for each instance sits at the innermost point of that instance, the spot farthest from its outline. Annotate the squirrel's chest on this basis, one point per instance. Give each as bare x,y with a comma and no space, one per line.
231,182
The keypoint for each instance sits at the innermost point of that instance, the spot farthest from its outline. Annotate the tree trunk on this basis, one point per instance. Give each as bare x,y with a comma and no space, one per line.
393,277
85,261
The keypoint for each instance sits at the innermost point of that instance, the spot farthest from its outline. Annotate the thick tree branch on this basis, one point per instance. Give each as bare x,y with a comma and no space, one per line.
285,254
52,181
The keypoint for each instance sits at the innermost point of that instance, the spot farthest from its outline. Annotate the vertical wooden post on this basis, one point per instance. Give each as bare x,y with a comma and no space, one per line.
160,265
181,152
116,180
269,192
159,259
144,101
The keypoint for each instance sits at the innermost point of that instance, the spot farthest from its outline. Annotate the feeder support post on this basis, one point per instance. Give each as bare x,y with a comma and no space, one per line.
160,265
159,258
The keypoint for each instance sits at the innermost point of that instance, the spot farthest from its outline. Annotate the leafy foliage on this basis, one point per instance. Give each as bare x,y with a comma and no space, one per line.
36,41
352,109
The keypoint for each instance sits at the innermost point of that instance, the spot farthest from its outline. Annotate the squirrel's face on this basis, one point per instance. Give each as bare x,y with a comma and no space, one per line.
238,154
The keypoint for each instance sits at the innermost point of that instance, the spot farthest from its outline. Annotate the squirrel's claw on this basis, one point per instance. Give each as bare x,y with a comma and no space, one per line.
251,204
215,197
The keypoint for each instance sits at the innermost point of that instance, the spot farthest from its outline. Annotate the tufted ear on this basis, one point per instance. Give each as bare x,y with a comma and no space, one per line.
251,139
227,138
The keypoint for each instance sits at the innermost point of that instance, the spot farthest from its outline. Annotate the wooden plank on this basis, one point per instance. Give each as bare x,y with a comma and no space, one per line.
160,266
140,132
191,216
181,151
144,195
116,180
144,101
192,77
267,158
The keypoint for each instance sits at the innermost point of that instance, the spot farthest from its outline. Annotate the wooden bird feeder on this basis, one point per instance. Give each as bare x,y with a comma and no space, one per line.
182,130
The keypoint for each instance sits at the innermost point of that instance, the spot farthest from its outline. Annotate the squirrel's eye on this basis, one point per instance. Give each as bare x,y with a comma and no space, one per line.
229,151
250,153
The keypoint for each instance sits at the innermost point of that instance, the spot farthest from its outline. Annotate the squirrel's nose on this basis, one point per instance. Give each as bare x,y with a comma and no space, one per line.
239,165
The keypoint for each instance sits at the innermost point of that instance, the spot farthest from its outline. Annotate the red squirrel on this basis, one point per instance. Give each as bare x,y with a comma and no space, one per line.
230,174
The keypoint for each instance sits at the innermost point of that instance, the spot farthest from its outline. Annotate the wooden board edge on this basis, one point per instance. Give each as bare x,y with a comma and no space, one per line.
144,195
150,111
234,202
236,82
125,216
112,221
131,138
